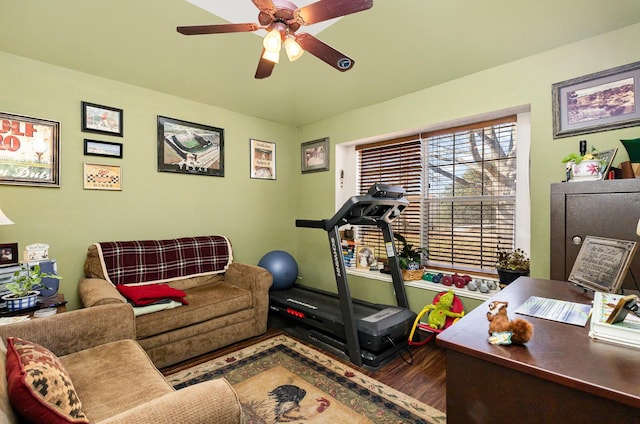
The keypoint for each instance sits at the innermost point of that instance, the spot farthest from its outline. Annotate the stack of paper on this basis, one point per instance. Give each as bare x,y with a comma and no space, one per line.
626,332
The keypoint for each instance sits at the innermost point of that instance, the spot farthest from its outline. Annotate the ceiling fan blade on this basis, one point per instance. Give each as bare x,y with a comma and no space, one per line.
216,29
328,9
265,67
264,4
324,52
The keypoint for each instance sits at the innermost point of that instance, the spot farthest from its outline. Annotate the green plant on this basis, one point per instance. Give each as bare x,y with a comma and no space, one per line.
26,280
513,259
577,157
408,253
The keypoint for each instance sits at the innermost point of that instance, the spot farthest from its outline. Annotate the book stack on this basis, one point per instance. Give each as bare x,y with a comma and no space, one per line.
348,252
611,320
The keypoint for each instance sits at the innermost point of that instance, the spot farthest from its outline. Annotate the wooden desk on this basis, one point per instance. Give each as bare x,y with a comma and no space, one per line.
561,375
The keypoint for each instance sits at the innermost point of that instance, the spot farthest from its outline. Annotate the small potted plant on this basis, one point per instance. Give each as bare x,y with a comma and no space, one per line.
511,264
583,167
410,258
24,287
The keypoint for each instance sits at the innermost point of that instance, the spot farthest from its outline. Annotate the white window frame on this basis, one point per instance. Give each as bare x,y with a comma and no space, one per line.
347,172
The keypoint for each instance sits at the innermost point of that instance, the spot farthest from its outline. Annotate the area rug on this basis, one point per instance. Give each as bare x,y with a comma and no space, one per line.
281,380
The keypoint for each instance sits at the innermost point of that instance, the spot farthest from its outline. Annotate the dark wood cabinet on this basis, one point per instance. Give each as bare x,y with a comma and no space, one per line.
609,208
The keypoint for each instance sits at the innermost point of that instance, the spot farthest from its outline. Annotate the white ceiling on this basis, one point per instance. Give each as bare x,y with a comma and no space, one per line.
399,47
245,11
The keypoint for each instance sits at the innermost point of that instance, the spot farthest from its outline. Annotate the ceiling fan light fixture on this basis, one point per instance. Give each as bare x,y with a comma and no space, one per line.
271,55
293,49
273,40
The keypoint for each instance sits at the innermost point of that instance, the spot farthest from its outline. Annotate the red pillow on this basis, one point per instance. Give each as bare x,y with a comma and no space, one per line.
40,388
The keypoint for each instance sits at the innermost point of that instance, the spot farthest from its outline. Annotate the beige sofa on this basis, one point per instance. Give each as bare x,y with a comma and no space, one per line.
227,301
113,377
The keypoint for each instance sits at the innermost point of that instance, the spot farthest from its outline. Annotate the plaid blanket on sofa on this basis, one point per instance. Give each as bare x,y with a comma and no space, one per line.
155,261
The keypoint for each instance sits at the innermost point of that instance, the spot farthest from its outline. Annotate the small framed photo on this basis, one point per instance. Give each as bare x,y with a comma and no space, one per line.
102,119
365,257
102,177
30,151
606,160
190,148
9,254
596,102
102,148
263,159
315,155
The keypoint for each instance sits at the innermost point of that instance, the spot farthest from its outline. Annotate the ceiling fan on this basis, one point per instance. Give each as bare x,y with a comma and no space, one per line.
282,19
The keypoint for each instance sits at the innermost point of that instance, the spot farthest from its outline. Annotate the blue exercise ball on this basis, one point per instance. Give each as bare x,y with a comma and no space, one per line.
283,269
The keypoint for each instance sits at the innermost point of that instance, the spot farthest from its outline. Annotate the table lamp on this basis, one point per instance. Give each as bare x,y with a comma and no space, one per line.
4,220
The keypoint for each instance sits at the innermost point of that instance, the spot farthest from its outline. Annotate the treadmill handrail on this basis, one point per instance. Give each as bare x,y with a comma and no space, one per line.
311,223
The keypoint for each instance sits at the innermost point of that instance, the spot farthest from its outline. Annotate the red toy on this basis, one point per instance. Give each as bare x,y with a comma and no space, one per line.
451,312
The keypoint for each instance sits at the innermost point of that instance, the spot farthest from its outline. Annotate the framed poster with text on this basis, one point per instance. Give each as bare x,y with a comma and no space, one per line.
29,151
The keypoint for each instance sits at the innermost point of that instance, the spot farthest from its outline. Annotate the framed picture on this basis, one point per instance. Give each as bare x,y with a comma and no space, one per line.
102,177
597,102
315,155
29,151
102,148
9,254
365,257
606,160
102,119
188,148
263,159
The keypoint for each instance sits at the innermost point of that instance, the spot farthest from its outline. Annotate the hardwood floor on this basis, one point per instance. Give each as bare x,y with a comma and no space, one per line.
424,379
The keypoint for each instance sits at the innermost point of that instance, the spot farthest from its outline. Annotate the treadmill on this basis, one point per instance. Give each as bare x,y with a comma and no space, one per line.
367,333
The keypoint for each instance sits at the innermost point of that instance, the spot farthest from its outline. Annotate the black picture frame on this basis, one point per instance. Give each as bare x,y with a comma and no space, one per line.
102,119
601,101
102,148
9,254
190,148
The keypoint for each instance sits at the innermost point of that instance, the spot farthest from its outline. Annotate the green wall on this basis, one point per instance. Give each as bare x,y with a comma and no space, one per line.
524,82
258,215
255,214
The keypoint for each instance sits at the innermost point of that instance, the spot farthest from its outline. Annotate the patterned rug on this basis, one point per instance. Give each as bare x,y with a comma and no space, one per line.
280,380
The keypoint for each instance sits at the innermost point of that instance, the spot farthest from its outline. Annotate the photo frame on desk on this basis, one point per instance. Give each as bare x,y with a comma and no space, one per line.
9,254
602,264
606,160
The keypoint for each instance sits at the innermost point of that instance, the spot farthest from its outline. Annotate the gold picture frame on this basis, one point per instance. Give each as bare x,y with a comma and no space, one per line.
102,177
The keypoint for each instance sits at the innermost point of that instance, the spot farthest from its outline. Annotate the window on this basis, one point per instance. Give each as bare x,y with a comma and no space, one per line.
461,183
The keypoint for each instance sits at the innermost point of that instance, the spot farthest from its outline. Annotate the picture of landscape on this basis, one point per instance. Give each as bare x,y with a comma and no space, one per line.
601,101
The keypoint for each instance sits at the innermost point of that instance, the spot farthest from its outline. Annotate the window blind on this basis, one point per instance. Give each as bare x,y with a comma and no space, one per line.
469,206
461,186
395,162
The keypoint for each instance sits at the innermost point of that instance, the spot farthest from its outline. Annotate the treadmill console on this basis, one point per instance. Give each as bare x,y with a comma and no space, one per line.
384,190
